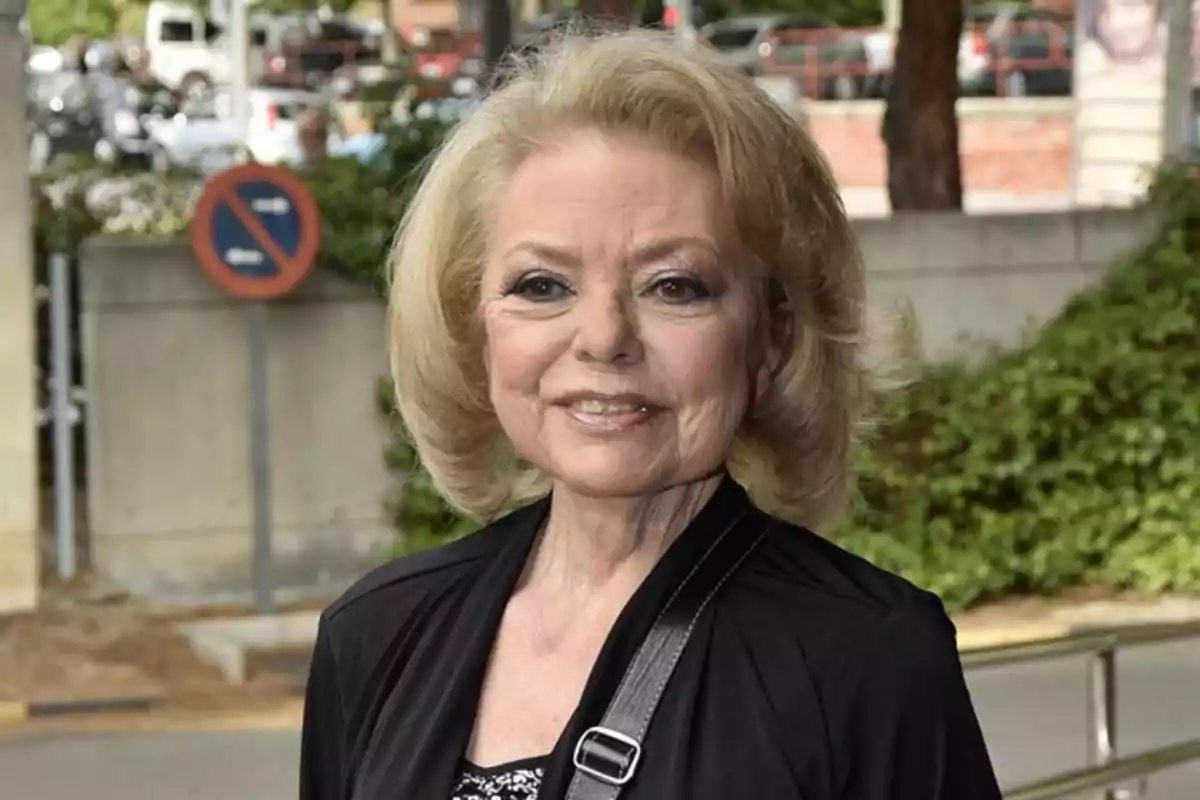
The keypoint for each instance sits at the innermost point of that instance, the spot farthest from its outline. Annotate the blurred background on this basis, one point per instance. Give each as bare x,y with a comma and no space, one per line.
188,477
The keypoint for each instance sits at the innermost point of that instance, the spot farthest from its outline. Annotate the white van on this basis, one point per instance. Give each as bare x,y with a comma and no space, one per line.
189,52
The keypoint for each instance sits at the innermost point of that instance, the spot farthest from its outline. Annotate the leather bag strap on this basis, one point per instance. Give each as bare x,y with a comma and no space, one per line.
608,755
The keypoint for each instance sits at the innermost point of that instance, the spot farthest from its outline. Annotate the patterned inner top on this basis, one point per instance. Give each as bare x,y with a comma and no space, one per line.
516,780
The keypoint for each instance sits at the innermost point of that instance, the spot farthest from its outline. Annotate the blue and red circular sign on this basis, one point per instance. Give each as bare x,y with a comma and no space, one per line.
256,231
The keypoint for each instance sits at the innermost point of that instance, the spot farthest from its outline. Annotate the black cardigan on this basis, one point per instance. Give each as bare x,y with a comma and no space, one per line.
812,676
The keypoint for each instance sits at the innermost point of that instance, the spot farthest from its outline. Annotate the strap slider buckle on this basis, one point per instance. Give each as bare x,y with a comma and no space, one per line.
607,755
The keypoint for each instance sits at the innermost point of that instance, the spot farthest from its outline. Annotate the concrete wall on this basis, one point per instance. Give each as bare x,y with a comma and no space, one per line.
166,377
18,448
974,280
168,463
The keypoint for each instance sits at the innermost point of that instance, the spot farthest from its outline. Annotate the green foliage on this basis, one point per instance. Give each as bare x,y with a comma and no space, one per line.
63,222
361,204
55,22
847,13
1176,189
79,198
421,515
1075,459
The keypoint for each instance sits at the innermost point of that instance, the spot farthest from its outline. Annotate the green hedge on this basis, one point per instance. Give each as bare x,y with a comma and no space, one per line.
362,203
1073,460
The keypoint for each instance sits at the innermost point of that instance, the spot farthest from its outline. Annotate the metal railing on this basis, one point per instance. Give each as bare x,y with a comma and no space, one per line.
1105,770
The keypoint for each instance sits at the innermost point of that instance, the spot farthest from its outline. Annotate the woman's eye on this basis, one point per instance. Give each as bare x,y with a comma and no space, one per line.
680,290
540,288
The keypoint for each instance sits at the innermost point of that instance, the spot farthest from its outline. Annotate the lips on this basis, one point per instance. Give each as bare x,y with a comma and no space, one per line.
608,413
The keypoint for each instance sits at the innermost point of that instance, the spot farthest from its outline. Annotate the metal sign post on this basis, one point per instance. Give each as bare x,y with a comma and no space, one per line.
687,22
62,415
256,233
1178,114
239,43
256,332
260,456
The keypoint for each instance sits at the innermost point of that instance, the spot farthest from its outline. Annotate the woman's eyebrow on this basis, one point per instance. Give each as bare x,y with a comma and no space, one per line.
659,249
545,252
647,252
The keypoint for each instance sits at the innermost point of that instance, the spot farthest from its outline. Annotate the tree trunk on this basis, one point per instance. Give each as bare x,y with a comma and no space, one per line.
497,31
390,51
920,126
616,12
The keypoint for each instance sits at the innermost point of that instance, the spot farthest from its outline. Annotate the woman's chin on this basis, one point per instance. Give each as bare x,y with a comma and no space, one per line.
609,475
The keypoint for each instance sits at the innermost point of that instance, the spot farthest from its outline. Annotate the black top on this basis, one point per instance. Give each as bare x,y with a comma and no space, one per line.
812,675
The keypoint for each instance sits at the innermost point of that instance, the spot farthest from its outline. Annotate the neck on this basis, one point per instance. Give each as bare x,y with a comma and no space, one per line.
588,541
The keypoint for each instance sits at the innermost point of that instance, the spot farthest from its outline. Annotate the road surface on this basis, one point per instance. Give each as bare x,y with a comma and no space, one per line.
1033,716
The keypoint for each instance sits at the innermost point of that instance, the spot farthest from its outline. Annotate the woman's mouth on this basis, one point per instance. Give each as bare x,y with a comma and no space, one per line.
610,414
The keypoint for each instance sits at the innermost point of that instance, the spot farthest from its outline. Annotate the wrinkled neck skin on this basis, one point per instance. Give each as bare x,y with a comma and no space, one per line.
590,543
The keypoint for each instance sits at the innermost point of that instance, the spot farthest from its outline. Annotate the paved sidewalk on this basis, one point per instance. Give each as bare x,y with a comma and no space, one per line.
1028,620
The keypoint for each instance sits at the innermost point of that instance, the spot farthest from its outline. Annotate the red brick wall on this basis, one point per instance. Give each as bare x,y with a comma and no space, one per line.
1022,154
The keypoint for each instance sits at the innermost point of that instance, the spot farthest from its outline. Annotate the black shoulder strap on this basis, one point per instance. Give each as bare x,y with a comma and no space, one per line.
607,756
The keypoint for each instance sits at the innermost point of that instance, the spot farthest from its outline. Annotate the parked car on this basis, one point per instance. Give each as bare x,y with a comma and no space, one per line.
204,136
311,51
188,50
1026,51
126,109
43,59
370,147
441,53
999,36
792,43
104,116
55,106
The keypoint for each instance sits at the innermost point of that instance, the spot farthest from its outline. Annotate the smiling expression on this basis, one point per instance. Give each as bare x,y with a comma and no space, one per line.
621,342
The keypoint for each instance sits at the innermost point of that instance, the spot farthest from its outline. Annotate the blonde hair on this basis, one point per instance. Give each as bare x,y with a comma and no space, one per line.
793,448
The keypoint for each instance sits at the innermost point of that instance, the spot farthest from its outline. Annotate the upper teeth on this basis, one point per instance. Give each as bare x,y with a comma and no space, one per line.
606,407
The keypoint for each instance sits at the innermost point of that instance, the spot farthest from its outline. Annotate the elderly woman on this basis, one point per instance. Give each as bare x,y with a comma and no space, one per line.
626,302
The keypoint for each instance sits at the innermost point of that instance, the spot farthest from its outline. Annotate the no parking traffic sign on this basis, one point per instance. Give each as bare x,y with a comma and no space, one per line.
256,231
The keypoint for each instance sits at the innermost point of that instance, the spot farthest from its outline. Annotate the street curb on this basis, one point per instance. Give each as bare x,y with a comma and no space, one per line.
16,713
970,639
231,644
1070,622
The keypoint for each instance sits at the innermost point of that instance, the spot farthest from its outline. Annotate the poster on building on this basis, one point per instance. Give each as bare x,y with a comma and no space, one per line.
1122,44
1120,88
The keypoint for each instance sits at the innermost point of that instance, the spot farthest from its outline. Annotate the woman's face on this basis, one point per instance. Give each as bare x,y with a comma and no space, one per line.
620,332
1128,26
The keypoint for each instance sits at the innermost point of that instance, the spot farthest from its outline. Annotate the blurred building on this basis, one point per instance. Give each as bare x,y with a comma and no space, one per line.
464,15
432,13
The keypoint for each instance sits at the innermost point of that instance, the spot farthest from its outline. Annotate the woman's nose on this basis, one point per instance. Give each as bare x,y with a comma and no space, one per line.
607,330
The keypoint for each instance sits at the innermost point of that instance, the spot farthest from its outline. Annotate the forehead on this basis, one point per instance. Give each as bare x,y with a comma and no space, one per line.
605,191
